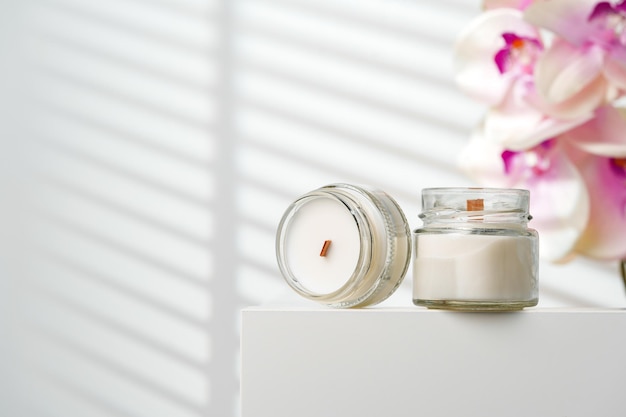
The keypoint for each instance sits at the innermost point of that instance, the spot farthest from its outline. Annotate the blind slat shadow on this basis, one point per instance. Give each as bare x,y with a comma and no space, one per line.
445,124
80,392
346,135
117,246
262,268
204,13
83,15
120,329
93,51
261,31
122,135
312,8
268,227
101,278
142,217
102,91
102,362
192,119
123,172
397,190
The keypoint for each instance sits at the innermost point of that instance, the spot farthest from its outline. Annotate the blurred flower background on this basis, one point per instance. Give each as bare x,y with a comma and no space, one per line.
148,149
553,76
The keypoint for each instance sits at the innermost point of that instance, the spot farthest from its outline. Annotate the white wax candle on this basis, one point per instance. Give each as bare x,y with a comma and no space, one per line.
474,267
344,245
317,221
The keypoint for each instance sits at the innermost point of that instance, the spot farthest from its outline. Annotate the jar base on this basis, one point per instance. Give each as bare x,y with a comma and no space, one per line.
475,305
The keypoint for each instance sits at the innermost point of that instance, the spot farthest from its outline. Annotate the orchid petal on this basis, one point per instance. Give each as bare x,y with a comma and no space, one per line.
564,71
605,235
560,208
476,49
510,4
615,70
567,19
546,128
513,129
559,199
481,160
604,135
601,10
517,125
580,106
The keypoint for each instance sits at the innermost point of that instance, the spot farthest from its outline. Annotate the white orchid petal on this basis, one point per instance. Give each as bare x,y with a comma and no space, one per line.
560,207
603,135
523,120
567,19
564,71
513,129
545,129
481,160
476,49
579,107
511,4
615,71
605,236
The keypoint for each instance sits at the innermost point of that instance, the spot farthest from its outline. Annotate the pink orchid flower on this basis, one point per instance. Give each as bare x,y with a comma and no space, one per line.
552,126
590,49
494,53
495,63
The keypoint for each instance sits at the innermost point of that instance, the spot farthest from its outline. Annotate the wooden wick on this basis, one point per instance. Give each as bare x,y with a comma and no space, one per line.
476,205
325,248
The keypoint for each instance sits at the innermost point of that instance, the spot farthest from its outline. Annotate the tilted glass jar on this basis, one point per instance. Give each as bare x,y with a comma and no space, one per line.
344,245
475,251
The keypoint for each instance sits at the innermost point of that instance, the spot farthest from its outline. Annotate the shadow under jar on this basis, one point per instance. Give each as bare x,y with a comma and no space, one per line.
475,250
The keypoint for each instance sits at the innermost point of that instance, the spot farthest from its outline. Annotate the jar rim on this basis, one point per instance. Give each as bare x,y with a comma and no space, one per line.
474,190
475,204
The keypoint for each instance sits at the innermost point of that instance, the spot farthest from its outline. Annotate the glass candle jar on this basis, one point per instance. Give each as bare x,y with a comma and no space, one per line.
475,251
344,245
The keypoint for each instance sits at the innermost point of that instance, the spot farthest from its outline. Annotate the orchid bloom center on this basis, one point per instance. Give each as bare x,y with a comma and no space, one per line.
611,24
518,55
533,162
619,167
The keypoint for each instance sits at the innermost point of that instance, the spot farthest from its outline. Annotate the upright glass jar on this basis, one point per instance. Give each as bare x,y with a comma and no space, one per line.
475,251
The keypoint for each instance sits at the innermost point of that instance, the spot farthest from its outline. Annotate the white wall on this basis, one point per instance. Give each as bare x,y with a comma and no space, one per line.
150,150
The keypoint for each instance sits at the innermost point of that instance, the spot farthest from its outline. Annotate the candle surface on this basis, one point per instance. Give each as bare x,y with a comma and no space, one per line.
318,221
344,245
474,267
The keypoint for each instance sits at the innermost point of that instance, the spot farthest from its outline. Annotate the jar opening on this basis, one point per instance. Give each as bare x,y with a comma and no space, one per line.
475,205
